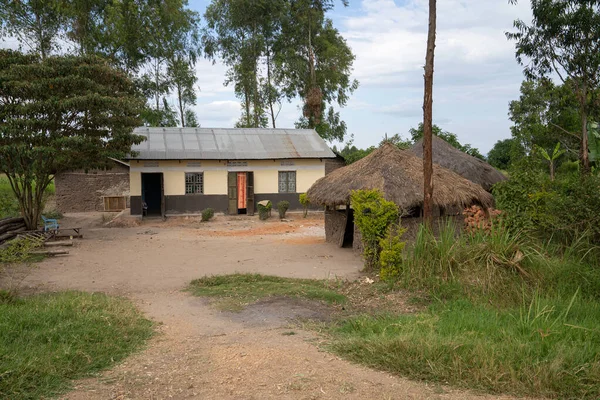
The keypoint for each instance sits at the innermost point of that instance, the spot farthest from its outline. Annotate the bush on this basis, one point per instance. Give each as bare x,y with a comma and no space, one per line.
560,210
392,253
372,215
53,214
264,210
305,203
282,207
207,214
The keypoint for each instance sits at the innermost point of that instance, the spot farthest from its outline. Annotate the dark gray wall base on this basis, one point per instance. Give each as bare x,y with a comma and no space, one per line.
195,203
292,198
135,204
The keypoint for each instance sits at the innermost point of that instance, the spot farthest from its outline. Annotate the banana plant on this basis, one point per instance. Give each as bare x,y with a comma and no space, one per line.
594,141
551,158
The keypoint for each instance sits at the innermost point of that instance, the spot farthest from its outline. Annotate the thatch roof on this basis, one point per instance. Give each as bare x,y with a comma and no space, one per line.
465,165
399,175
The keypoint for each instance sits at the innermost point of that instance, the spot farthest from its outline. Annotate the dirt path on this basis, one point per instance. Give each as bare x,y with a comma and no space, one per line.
203,353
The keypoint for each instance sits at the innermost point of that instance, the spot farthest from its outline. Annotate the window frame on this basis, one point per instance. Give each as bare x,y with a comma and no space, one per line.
194,184
287,181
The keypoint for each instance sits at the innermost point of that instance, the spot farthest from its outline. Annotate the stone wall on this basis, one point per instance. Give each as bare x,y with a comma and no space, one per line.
78,191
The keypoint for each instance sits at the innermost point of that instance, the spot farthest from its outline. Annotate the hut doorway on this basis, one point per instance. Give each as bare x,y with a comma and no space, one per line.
240,192
349,229
153,194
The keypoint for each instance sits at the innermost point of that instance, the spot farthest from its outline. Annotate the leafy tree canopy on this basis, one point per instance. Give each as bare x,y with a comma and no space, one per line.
503,154
58,114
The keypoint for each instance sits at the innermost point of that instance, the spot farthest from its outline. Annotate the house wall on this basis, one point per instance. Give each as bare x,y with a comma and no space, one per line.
78,191
266,181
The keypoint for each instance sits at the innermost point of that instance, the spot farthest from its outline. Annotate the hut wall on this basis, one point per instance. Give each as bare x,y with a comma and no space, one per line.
78,191
335,226
357,244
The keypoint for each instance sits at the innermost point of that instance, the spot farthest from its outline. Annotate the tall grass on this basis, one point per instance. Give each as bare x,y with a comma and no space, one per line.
546,347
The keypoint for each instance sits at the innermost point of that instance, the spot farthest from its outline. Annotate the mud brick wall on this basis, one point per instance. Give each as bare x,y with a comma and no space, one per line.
78,191
331,164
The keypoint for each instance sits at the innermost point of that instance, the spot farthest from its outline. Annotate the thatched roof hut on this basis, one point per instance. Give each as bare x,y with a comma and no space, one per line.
398,174
465,165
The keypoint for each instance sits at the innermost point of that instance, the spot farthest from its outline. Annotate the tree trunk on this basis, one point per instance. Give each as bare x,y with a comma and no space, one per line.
270,98
180,106
552,171
427,118
585,159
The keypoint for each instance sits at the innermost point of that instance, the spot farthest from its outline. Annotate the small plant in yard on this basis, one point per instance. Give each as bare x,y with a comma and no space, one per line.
282,207
303,198
264,209
373,214
53,214
207,214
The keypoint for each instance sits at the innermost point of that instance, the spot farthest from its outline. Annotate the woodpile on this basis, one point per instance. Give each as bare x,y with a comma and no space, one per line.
477,219
11,227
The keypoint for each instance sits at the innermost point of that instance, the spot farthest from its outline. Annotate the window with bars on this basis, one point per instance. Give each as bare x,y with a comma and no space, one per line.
287,181
194,183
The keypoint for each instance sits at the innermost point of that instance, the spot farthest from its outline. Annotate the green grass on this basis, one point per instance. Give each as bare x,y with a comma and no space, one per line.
549,347
48,340
9,207
236,291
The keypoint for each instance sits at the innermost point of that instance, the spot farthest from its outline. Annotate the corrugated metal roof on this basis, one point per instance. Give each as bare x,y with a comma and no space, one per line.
229,144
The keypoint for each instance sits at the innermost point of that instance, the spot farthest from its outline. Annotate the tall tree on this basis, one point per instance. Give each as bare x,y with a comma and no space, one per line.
427,117
183,79
501,156
37,24
316,65
564,39
84,20
58,114
544,114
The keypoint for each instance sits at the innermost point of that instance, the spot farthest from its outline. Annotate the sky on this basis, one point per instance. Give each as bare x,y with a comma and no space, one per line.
475,78
476,74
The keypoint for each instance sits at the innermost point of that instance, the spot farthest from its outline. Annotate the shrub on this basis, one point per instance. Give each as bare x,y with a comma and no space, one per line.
372,215
282,207
207,214
305,203
391,256
53,214
264,210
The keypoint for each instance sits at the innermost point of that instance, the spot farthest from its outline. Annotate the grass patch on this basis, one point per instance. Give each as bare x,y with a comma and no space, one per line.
549,347
236,291
48,340
9,206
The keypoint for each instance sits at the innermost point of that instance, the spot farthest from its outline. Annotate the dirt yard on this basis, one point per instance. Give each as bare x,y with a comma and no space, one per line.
203,353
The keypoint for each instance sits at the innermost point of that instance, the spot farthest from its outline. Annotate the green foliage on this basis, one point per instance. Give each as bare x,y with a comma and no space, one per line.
305,202
281,49
594,141
544,53
282,207
238,290
562,209
544,114
57,114
502,154
391,257
264,211
207,214
48,340
417,133
372,215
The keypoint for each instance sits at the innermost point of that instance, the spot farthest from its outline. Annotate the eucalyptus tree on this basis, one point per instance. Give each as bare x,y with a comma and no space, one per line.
37,24
183,78
563,39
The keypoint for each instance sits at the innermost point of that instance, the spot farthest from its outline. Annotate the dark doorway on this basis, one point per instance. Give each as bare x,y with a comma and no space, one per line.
152,193
349,232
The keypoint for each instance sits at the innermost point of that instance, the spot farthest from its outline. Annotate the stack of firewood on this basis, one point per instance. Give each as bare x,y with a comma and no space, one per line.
11,227
476,219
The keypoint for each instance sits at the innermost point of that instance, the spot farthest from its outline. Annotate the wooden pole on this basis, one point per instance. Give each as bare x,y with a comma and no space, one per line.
427,118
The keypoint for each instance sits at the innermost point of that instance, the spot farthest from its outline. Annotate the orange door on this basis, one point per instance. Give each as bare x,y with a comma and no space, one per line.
241,189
